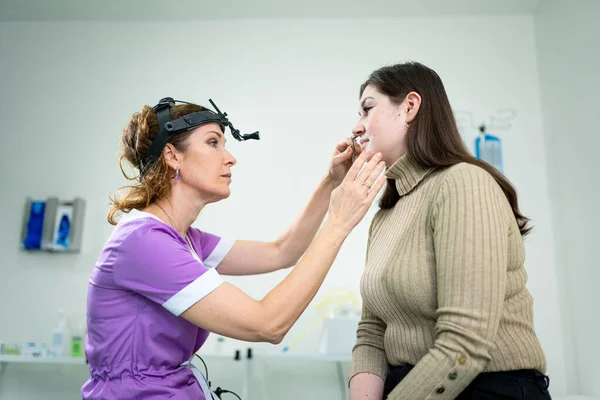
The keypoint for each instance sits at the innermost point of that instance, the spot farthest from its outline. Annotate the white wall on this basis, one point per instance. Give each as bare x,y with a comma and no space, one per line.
69,88
568,43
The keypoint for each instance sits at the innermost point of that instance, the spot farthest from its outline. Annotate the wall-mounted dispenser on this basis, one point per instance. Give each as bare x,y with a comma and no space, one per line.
53,224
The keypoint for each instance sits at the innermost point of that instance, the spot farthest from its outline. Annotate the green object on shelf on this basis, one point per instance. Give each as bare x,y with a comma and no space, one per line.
77,346
11,350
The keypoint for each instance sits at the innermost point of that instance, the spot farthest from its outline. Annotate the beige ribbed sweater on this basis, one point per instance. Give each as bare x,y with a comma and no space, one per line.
444,284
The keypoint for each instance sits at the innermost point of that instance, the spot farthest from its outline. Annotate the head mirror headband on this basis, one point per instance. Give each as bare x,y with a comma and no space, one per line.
169,128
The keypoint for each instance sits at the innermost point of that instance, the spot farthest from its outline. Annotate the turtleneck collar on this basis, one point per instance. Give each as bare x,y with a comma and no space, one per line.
407,173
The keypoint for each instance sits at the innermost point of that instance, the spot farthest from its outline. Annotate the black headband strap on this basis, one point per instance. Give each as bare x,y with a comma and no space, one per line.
168,128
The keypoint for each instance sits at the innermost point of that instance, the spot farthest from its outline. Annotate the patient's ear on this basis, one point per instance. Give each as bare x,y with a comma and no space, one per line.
412,102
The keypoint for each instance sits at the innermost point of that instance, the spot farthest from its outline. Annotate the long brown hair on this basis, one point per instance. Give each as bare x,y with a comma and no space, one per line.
433,139
136,138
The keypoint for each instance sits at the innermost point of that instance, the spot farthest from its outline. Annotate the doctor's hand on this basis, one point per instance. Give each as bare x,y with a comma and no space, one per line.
341,161
353,197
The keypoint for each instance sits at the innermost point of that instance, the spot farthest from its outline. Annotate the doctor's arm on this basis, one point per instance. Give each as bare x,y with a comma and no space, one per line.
230,312
248,257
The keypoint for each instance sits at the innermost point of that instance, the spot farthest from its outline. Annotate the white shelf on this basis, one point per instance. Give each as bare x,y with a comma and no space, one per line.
280,356
304,357
8,358
217,356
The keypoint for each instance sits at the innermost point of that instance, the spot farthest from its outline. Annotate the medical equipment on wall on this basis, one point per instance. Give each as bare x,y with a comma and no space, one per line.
53,224
488,148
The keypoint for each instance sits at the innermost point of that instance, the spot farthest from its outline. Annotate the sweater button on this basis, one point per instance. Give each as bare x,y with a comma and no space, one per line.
462,360
452,375
440,390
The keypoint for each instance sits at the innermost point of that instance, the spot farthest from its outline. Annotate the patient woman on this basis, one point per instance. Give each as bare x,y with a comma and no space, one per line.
446,314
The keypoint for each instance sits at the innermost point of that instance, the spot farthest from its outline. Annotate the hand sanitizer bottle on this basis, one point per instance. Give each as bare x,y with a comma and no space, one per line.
59,336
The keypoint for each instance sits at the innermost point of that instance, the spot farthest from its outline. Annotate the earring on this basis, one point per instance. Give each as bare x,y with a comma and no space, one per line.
177,173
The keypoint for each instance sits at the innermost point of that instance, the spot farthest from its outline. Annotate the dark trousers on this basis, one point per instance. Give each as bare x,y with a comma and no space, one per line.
527,384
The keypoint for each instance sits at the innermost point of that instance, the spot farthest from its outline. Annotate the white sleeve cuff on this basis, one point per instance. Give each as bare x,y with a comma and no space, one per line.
219,253
194,292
